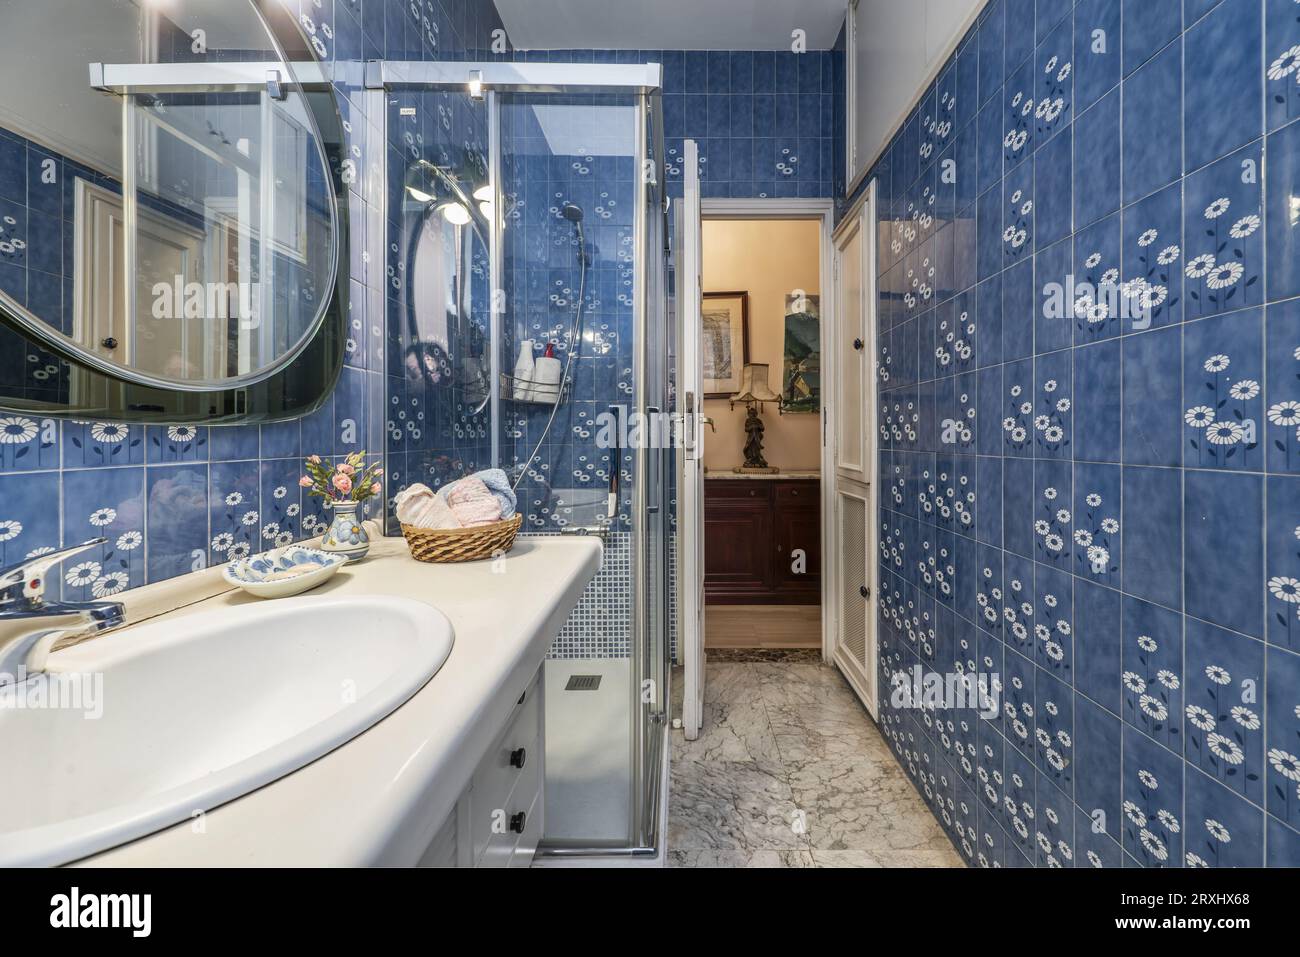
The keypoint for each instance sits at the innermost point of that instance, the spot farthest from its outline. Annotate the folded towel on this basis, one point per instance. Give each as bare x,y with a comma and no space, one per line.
412,504
499,485
472,503
442,516
419,507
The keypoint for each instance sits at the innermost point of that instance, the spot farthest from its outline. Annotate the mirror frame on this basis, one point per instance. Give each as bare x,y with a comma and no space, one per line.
298,383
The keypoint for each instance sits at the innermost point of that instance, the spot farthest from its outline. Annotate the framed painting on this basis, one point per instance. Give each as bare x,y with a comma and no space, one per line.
801,381
725,324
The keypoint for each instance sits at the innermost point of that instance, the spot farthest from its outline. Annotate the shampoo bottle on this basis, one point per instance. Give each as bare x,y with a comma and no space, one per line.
546,375
523,377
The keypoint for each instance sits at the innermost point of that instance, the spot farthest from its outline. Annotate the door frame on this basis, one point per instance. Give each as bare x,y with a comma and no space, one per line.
867,200
823,210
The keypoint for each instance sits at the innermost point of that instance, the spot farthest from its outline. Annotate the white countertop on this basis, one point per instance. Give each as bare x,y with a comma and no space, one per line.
380,798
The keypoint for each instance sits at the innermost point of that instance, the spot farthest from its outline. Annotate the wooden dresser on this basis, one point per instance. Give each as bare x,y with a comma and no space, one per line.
751,526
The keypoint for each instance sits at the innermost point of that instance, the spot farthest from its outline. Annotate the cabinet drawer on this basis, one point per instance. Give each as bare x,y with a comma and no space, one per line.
498,830
737,488
526,848
499,786
798,495
495,774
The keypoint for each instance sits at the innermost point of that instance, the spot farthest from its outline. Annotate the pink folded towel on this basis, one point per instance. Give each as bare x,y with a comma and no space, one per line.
472,502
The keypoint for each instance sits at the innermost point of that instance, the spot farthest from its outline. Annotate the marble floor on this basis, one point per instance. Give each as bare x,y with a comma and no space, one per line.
789,771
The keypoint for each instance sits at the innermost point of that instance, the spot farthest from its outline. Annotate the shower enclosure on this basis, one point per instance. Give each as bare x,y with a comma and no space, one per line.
538,240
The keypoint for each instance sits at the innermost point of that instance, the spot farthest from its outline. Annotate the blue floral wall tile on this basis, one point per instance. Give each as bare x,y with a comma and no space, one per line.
1225,413
93,444
176,443
1152,679
1222,829
1151,291
1054,826
1224,717
1153,802
1282,772
28,443
109,504
1282,564
1052,516
1018,120
1281,39
1278,429
29,518
1223,258
1093,299
1096,537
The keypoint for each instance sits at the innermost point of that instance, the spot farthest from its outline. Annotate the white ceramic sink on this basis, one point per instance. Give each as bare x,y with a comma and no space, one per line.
203,708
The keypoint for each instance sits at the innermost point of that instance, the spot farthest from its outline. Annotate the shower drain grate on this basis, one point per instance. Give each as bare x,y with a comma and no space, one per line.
583,683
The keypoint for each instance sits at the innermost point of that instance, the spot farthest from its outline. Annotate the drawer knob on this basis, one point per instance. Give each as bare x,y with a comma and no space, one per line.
517,822
517,757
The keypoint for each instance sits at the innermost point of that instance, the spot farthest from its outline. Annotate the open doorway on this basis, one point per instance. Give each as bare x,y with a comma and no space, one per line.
753,515
761,309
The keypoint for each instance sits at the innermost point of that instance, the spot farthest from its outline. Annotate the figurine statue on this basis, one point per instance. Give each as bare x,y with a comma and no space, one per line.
754,444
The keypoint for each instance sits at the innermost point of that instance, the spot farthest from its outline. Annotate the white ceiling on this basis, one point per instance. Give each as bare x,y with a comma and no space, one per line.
669,24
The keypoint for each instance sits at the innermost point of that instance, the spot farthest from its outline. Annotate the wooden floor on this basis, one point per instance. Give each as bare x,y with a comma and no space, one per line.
762,626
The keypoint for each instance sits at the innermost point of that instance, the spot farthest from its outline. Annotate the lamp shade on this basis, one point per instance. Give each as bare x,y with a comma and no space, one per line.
753,385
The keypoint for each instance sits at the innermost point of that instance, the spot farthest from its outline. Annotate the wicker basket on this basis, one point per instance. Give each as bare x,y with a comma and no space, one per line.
461,544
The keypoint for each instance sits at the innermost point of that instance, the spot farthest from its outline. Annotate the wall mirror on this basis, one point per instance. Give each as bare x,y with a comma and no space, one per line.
446,221
168,214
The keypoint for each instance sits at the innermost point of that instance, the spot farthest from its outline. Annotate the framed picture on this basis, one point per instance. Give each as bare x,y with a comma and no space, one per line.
726,342
801,379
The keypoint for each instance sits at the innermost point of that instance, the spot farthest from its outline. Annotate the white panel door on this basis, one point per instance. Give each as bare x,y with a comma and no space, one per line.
690,522
851,351
855,650
854,582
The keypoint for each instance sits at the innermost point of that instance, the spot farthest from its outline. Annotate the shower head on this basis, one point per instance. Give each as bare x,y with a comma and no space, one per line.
571,212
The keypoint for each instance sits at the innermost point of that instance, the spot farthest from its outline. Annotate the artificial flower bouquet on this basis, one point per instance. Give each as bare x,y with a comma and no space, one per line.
349,481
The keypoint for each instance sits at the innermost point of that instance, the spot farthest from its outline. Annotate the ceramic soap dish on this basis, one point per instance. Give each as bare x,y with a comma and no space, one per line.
285,571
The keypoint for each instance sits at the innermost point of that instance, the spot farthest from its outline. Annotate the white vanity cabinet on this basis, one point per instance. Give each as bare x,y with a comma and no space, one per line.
498,819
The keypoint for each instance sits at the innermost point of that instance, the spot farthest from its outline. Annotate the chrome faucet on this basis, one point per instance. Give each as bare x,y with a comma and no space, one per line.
30,625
